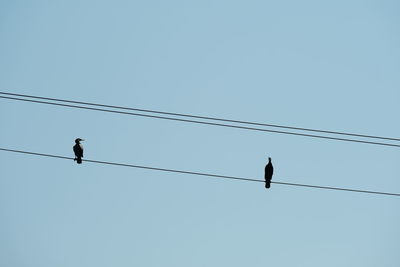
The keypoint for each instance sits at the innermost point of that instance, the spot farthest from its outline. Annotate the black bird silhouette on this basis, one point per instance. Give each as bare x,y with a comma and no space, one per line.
78,150
269,171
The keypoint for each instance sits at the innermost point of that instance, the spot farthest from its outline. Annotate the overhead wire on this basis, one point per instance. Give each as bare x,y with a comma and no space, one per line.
202,122
204,117
203,174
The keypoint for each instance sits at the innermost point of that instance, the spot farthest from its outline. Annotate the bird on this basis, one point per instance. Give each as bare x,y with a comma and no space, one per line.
78,150
269,171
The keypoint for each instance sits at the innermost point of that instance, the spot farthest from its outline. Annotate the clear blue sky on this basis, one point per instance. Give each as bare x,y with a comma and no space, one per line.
320,64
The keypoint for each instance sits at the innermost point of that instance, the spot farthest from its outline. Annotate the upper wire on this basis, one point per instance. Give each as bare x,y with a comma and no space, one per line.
203,122
204,117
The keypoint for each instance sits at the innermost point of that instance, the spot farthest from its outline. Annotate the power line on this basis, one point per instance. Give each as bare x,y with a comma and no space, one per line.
202,174
202,122
204,117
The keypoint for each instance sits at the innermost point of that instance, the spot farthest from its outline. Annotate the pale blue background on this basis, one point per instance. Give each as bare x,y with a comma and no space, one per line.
320,64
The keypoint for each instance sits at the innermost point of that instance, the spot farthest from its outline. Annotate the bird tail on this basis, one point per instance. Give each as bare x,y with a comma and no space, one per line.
267,185
78,160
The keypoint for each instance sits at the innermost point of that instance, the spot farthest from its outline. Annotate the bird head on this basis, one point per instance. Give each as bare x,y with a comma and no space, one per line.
77,140
269,159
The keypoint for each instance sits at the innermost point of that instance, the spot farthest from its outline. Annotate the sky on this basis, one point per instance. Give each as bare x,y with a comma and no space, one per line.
329,65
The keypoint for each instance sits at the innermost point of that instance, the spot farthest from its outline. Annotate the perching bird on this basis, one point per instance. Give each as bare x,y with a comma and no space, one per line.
78,150
269,171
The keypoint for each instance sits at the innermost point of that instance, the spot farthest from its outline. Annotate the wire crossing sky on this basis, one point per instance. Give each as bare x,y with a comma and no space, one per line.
203,174
202,117
201,122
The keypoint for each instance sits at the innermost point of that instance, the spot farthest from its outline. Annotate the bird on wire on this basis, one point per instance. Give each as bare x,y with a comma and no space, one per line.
78,150
269,171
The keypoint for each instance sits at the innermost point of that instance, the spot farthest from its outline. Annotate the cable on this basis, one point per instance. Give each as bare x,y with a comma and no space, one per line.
202,174
202,122
205,118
